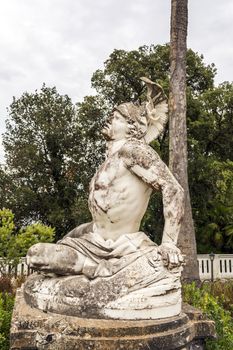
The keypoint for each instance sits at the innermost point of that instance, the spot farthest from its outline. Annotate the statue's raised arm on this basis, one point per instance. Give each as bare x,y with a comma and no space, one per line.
145,163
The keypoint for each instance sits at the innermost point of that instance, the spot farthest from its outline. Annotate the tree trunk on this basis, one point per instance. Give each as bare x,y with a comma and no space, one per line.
178,131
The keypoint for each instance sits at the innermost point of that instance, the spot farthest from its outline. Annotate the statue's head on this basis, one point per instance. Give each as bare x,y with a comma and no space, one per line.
127,120
132,120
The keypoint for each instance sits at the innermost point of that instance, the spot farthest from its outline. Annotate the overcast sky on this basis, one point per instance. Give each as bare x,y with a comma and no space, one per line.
62,42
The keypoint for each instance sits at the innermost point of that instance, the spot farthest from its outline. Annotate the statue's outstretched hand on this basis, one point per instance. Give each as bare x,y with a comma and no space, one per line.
171,255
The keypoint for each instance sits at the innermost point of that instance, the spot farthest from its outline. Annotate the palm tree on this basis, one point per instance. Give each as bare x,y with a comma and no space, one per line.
178,130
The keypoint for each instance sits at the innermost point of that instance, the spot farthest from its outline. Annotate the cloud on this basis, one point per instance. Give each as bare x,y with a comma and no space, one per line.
210,33
62,42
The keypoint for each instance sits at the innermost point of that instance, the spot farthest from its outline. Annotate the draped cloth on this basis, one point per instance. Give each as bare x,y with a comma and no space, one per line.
106,257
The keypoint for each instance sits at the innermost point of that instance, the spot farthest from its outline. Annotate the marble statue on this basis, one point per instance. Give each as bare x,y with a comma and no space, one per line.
108,268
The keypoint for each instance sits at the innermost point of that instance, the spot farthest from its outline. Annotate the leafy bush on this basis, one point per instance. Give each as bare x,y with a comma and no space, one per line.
6,308
15,243
30,235
223,291
213,308
7,228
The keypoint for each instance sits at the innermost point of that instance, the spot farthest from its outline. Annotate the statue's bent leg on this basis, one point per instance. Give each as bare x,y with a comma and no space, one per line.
56,258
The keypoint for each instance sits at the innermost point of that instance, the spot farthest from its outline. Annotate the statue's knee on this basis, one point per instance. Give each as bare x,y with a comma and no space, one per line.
36,249
37,255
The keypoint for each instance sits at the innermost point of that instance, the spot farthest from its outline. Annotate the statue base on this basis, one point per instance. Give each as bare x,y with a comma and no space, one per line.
33,329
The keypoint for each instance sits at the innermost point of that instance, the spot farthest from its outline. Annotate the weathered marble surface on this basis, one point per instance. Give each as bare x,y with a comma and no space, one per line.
145,289
35,330
126,274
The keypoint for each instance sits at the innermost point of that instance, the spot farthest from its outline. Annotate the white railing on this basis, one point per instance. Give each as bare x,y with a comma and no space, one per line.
20,270
221,267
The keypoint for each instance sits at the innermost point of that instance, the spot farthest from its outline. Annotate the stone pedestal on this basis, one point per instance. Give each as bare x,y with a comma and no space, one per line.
33,329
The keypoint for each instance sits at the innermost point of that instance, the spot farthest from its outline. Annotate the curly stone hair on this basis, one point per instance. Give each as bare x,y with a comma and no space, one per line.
135,115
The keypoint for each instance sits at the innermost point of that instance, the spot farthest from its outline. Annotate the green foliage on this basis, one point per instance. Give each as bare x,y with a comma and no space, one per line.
213,212
211,171
7,188
153,220
91,115
212,308
32,234
6,308
54,147
52,150
39,142
223,291
15,243
6,233
120,80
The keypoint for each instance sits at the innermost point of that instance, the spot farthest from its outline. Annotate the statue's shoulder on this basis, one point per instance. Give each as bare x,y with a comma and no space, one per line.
138,152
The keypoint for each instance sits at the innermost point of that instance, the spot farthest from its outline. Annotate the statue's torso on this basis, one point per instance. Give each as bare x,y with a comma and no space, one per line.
118,199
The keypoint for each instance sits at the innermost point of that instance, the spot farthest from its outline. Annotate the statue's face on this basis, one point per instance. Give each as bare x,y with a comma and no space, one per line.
116,127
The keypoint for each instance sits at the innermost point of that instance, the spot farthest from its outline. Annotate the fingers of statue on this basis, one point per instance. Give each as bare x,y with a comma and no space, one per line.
165,255
175,259
171,256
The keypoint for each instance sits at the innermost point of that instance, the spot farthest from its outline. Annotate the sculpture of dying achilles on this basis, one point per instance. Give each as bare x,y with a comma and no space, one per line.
108,268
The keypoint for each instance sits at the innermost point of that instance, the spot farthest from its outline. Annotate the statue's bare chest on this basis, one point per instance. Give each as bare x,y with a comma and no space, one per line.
111,170
107,187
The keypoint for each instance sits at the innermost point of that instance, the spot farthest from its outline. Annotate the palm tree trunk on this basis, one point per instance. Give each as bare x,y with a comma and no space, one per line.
178,130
